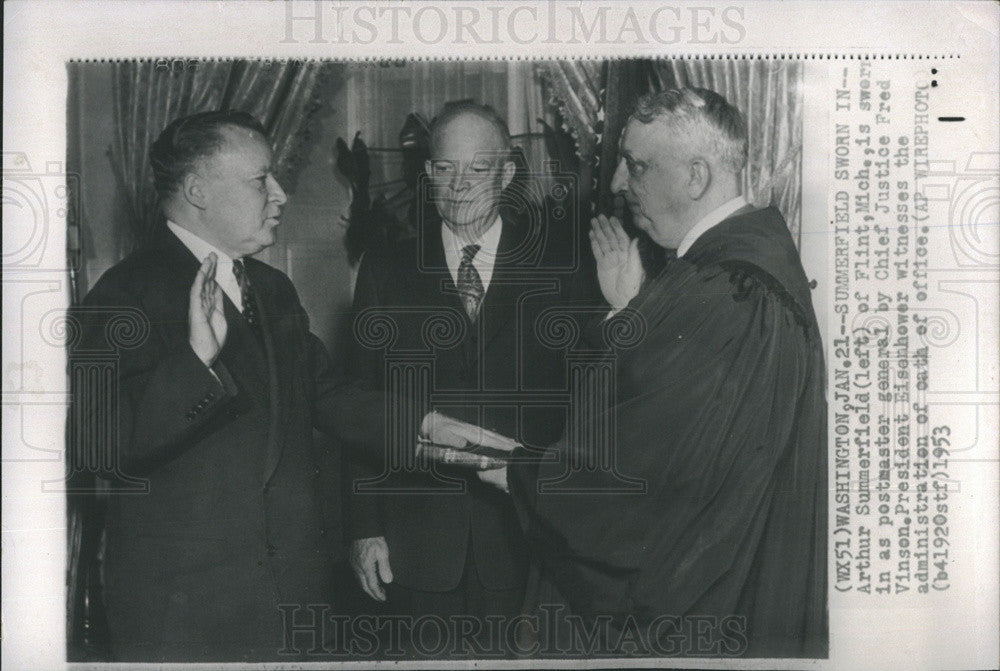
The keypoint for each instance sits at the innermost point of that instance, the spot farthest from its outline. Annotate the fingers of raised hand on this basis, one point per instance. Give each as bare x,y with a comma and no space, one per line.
617,233
213,290
205,288
370,583
599,235
198,286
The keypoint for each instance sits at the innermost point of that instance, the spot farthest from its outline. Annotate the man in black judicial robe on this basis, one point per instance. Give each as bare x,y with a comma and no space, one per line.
720,409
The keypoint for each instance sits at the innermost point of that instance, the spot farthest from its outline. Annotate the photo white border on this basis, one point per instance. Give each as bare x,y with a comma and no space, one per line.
41,36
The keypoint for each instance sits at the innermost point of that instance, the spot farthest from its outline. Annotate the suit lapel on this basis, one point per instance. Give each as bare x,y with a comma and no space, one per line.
435,286
500,303
268,316
183,266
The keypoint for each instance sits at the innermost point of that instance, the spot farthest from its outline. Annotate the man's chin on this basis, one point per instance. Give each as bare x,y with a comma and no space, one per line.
462,214
642,222
266,239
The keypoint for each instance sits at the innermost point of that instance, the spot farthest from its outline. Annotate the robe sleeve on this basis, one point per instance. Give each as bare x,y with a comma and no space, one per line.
720,413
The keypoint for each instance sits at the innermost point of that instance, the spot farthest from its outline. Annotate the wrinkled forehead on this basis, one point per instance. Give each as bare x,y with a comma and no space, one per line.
647,140
467,138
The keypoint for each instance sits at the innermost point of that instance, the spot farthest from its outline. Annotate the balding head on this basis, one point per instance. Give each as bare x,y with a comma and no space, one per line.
466,117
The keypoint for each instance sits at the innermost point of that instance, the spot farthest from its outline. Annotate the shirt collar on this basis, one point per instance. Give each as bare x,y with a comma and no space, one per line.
224,266
488,244
198,246
713,218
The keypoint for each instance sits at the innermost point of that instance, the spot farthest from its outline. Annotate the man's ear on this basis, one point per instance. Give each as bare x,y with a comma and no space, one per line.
700,178
193,191
508,174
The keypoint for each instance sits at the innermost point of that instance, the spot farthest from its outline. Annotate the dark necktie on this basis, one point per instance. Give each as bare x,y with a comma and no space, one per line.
246,291
470,286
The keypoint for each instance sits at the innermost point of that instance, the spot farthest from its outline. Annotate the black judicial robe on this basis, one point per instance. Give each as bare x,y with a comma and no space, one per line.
721,410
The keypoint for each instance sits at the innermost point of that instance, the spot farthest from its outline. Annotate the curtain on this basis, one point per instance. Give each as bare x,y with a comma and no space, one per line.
575,88
382,95
527,116
148,95
595,101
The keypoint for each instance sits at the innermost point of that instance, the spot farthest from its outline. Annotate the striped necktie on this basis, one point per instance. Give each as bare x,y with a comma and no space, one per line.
246,291
470,286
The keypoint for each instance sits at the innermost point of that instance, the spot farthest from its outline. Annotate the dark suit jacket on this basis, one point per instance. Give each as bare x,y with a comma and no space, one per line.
231,525
429,533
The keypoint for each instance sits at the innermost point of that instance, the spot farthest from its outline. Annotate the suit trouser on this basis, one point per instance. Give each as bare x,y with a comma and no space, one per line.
471,620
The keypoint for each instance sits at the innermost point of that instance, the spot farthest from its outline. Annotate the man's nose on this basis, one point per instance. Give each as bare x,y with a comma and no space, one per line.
460,181
619,182
275,193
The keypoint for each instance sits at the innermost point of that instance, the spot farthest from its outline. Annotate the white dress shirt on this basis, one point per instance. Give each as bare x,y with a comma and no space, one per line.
224,267
484,260
710,220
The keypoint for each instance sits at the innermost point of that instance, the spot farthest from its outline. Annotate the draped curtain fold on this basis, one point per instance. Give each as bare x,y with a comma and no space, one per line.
595,99
576,88
148,95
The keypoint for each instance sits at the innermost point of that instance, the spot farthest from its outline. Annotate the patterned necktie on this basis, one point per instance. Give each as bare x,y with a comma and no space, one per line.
470,286
246,291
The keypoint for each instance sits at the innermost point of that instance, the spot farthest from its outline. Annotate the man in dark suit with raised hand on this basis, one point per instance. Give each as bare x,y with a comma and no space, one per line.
217,407
493,269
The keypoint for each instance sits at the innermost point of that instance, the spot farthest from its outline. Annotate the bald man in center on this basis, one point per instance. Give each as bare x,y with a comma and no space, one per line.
487,262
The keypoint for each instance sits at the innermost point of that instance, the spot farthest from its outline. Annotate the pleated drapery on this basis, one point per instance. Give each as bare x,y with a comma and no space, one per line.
148,95
576,88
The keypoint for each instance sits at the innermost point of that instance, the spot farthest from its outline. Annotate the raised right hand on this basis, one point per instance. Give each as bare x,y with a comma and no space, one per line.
207,326
619,267
370,562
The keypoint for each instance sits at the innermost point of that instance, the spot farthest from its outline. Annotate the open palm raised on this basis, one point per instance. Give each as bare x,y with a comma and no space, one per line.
206,319
619,268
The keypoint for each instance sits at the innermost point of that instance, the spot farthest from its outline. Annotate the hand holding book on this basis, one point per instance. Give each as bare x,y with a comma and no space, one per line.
451,441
